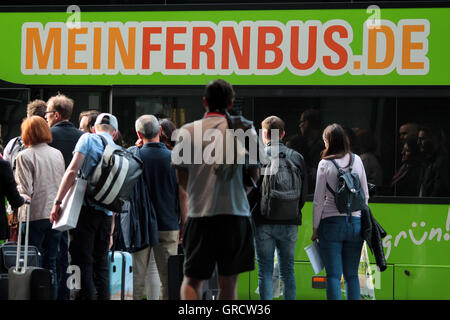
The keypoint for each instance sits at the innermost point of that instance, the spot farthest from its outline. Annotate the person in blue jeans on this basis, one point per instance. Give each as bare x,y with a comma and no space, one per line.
339,235
277,225
39,170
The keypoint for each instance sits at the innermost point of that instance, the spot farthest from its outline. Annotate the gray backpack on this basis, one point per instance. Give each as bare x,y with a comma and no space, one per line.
281,192
114,177
349,195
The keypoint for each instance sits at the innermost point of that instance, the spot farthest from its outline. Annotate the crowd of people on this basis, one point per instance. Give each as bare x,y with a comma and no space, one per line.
423,169
220,219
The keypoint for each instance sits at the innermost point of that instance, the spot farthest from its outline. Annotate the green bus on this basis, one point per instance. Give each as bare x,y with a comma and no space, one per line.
372,69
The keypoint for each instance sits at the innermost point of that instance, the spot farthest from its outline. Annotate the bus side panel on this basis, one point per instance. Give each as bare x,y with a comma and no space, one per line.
415,282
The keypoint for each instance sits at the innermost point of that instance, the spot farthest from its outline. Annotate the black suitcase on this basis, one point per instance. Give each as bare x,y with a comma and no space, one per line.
175,275
28,283
8,252
210,289
3,286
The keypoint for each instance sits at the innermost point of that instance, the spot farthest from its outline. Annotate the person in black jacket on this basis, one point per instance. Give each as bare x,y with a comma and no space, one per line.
65,136
8,189
277,221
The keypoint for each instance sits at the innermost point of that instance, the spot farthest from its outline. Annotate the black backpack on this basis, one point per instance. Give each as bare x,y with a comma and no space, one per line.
349,195
15,149
281,192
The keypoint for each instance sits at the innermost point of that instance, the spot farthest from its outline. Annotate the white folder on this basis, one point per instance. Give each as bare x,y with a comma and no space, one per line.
314,257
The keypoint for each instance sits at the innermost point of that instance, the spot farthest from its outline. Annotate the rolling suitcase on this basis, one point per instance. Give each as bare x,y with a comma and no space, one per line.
8,252
175,275
28,283
210,290
3,286
211,287
121,275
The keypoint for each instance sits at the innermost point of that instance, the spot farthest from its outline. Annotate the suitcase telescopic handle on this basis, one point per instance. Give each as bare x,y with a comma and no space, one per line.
19,240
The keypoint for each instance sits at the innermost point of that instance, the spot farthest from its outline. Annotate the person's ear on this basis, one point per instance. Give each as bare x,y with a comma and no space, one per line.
139,135
115,133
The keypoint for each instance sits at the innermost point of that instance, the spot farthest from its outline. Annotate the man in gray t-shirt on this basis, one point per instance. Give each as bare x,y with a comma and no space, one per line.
218,228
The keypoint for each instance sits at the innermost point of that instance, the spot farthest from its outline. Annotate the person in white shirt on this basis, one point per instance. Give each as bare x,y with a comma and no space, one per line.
340,239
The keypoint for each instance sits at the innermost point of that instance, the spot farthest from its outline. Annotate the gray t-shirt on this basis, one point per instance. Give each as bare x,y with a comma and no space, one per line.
208,193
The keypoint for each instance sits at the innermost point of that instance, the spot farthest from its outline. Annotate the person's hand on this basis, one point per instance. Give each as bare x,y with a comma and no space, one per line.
55,214
139,143
25,197
315,235
111,241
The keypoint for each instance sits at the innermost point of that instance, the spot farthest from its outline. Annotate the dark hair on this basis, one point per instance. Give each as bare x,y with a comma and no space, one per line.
313,118
432,132
36,108
366,141
273,122
91,115
219,94
167,128
338,143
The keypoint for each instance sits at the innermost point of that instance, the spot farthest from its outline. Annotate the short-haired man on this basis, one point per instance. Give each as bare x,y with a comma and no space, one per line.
87,120
435,175
275,229
310,128
169,201
406,130
65,136
218,228
91,238
35,108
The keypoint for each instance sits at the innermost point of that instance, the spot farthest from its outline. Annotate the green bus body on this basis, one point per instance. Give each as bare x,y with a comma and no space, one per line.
417,244
416,247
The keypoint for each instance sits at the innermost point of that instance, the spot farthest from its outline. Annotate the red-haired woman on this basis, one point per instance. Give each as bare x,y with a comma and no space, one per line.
39,171
340,239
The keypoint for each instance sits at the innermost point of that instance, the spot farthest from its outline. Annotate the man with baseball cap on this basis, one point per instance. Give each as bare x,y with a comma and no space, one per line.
93,234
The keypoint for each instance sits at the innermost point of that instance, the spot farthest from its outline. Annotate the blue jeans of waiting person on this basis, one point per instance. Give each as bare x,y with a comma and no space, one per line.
340,244
46,240
282,238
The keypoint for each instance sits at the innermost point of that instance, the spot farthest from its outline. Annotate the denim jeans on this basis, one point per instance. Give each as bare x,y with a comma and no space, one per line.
283,238
46,240
89,251
340,244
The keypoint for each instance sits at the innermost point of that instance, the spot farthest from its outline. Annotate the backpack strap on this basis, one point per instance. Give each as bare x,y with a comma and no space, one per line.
331,190
351,162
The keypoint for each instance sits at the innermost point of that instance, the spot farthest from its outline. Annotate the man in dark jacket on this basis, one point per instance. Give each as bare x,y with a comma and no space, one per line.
277,220
435,177
169,200
65,136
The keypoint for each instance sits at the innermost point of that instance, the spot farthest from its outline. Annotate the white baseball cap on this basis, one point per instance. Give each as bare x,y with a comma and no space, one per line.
107,118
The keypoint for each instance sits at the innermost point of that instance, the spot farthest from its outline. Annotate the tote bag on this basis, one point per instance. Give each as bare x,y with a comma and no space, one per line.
71,206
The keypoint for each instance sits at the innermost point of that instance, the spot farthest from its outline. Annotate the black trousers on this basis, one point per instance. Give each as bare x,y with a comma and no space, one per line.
89,251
